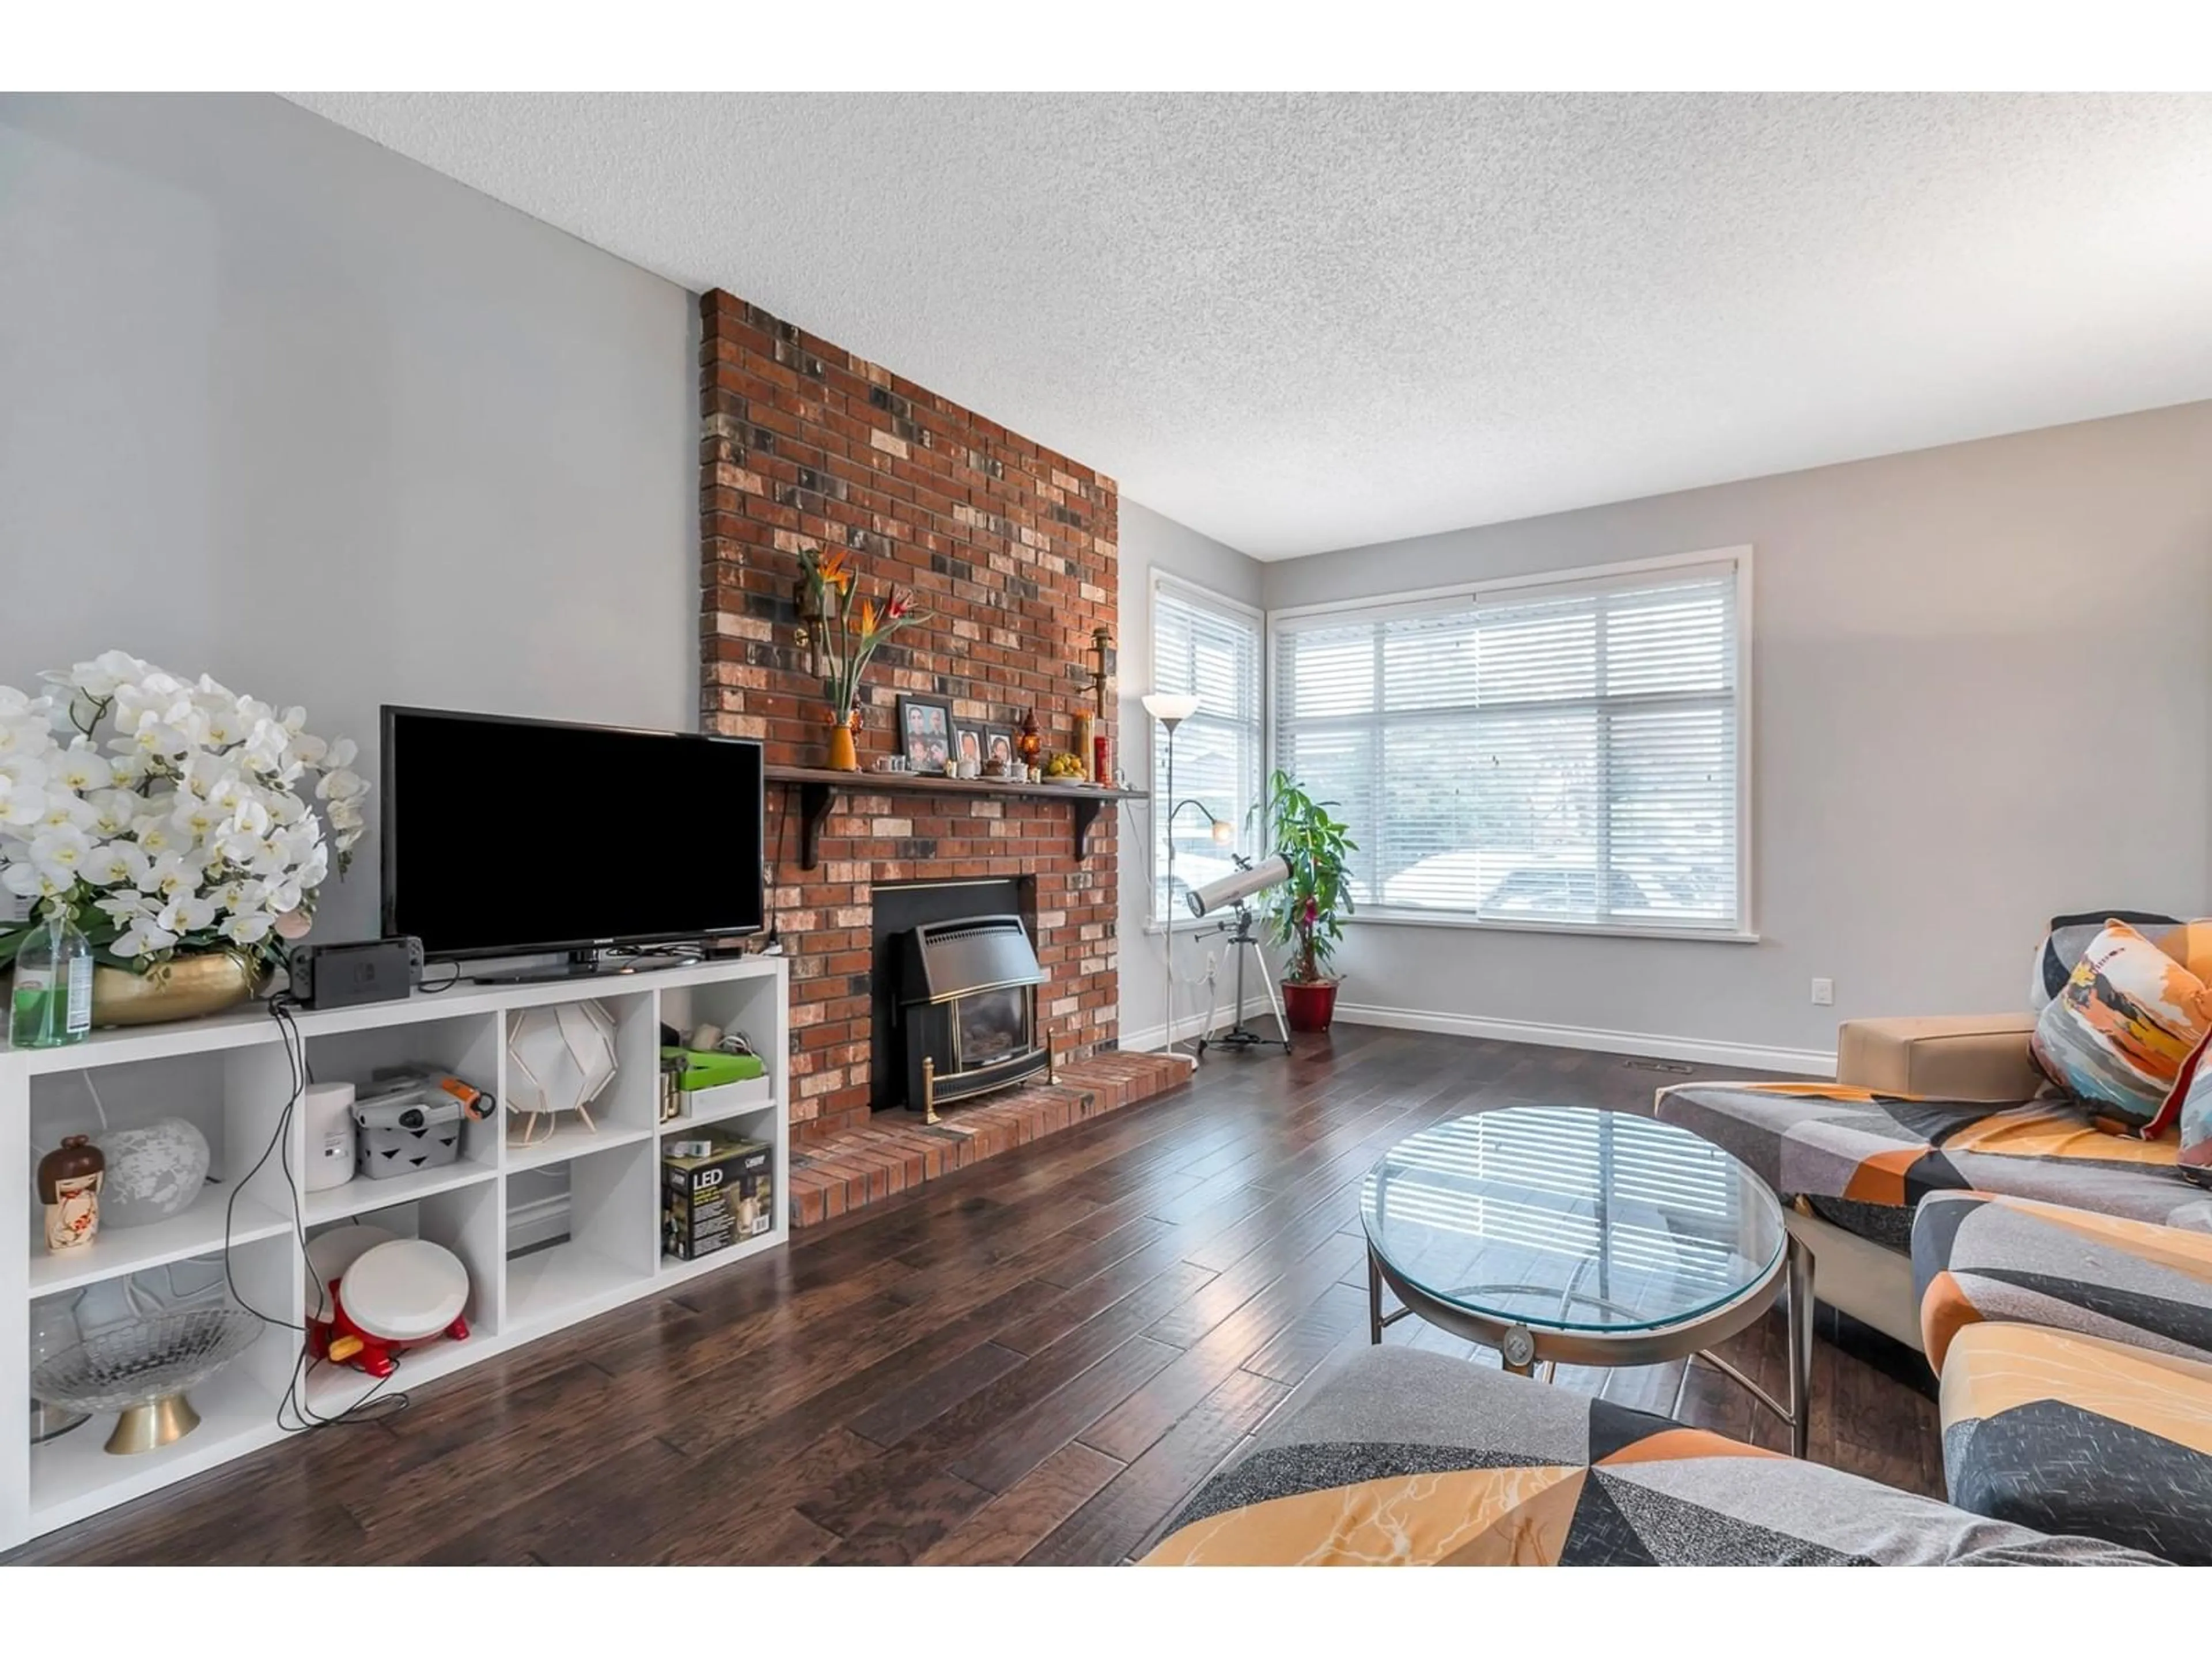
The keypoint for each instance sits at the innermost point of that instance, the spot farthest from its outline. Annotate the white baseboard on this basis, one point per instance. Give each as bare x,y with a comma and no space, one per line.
538,1221
1146,1038
1804,1062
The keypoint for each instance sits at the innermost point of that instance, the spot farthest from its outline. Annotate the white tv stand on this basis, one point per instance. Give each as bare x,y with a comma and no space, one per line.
230,1076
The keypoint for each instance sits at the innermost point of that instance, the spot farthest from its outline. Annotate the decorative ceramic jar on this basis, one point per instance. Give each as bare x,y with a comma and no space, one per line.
187,988
69,1178
843,755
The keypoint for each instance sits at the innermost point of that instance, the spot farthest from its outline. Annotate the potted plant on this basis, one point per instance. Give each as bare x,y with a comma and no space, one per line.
848,632
1305,912
179,828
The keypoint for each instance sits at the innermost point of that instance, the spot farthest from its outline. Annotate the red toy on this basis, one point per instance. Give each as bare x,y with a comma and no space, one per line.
343,1342
379,1296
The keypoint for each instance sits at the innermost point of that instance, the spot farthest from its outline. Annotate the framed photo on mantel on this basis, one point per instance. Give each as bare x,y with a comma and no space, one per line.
925,726
968,747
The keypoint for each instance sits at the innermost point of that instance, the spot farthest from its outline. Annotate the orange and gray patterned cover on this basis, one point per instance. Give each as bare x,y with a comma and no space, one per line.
2061,1433
1397,1457
2118,1033
1977,1258
1864,1159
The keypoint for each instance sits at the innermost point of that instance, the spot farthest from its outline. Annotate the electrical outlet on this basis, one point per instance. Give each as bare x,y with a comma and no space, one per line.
1824,993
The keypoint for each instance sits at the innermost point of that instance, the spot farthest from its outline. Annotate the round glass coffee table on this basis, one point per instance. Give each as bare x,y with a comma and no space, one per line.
1566,1236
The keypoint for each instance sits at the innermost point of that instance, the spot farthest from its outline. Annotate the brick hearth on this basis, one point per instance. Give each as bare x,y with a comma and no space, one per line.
857,1166
1010,552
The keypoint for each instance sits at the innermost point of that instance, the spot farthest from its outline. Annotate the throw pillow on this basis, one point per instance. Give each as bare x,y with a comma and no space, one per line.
2192,1095
2067,936
2189,943
2117,1034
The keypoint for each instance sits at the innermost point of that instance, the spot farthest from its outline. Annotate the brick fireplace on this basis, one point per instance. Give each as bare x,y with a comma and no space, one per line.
1010,550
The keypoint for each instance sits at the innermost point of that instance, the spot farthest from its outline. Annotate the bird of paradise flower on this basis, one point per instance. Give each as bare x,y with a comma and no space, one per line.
856,626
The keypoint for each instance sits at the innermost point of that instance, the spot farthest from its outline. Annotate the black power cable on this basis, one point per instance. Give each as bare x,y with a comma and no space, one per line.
294,1415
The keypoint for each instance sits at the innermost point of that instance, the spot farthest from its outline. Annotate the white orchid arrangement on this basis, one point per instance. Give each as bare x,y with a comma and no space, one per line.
190,827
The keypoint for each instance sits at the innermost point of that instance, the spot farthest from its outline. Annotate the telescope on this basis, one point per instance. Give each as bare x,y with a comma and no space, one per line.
1239,885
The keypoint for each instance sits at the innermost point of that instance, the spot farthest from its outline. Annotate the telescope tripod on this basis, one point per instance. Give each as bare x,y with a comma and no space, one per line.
1239,1035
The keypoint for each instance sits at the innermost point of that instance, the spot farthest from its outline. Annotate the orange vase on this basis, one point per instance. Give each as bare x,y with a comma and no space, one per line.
842,756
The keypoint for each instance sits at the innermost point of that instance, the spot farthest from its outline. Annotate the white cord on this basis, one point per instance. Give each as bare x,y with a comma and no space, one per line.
98,1104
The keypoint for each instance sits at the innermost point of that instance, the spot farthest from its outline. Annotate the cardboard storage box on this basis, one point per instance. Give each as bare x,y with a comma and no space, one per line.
715,1192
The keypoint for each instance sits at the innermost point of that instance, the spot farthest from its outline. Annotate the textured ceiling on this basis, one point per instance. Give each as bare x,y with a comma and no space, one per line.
1310,322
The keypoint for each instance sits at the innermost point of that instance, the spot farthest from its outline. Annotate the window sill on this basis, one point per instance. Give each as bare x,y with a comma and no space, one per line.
1373,918
1431,919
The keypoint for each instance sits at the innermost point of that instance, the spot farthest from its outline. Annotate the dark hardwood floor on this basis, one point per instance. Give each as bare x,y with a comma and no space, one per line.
1033,1360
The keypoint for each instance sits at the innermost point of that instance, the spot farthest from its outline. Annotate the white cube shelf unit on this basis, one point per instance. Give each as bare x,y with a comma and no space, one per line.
232,1077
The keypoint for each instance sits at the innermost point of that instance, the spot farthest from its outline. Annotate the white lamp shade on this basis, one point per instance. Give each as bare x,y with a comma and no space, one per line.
1170,707
559,1058
154,1172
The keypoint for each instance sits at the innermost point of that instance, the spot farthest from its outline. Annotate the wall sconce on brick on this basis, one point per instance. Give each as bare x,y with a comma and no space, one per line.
1102,666
813,627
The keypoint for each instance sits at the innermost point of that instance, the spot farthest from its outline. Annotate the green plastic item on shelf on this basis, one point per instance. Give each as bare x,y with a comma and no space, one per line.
710,1068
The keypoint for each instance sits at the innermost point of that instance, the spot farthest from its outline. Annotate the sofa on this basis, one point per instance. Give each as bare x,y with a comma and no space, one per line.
2076,1354
2075,1351
1922,1106
1394,1456
2057,1275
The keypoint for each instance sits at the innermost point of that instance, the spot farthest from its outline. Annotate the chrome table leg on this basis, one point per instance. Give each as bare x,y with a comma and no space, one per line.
1800,1345
1373,1299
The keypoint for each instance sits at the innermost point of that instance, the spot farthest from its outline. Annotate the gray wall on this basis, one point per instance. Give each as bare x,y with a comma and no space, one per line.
1981,695
1150,542
284,407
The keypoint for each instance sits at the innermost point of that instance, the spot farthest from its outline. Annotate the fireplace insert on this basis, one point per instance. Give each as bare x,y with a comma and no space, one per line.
967,1011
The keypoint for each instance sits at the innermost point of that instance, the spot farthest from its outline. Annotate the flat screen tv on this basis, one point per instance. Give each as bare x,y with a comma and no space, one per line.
509,837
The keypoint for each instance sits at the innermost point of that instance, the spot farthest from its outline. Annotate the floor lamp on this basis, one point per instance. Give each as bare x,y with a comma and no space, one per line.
1170,709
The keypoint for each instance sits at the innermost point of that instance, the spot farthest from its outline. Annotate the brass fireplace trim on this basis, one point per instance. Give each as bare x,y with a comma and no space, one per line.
972,881
976,990
929,1079
936,1076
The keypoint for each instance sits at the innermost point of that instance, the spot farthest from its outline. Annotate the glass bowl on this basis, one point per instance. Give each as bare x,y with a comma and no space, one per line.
143,1370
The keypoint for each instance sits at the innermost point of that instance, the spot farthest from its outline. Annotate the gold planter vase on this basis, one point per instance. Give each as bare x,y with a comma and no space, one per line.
188,989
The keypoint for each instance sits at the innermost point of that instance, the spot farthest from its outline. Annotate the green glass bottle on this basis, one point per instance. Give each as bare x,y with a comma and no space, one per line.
52,1001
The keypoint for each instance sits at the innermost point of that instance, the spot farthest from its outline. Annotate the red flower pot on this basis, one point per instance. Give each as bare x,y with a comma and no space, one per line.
1309,1007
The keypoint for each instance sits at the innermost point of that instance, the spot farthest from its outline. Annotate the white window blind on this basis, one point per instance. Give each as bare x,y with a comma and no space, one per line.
1567,753
1208,646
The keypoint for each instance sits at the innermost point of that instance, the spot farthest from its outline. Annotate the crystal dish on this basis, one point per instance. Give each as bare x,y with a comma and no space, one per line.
143,1370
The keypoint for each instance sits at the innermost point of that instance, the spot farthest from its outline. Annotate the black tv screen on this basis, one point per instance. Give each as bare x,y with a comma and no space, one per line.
503,837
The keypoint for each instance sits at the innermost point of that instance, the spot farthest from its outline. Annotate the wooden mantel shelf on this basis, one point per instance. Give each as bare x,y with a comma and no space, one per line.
819,788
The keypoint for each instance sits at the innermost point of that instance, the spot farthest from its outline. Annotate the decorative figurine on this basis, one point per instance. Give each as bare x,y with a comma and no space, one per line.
1030,744
69,1186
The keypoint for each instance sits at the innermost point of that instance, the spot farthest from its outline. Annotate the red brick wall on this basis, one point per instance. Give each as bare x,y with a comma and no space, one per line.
1009,548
